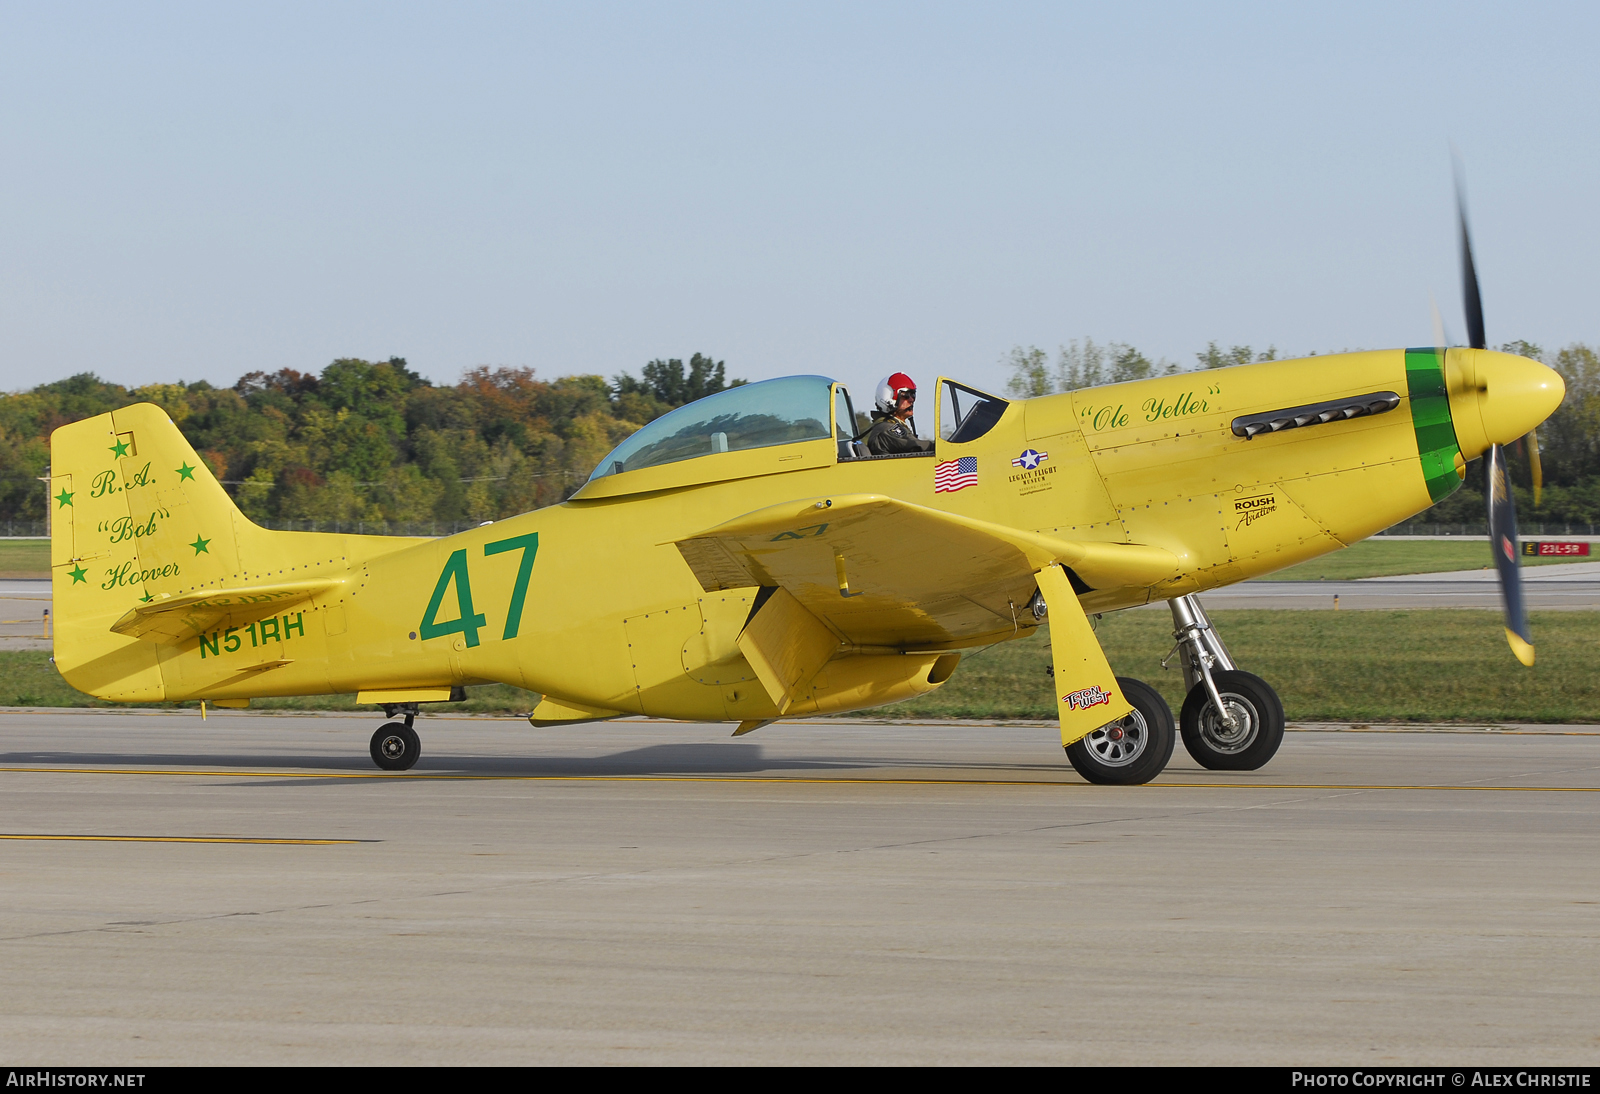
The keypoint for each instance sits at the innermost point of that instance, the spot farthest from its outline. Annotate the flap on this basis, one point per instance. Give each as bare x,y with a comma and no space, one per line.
885,572
171,619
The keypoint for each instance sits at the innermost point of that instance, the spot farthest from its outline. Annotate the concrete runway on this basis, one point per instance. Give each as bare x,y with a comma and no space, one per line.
646,892
1568,586
22,604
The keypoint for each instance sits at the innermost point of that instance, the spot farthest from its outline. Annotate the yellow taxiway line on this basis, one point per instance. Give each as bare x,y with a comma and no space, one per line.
174,839
802,779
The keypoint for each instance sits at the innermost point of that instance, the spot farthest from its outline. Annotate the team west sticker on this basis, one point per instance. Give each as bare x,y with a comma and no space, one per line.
1084,698
1032,476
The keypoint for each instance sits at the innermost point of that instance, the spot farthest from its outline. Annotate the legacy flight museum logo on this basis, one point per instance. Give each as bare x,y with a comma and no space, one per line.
1249,510
1033,476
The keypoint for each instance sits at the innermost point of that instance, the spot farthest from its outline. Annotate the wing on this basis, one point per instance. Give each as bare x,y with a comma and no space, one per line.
881,572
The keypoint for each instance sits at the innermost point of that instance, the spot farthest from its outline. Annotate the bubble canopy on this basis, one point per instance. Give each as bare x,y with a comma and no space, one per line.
794,408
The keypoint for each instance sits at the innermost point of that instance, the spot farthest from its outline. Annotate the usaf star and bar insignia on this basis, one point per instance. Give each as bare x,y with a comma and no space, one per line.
1031,475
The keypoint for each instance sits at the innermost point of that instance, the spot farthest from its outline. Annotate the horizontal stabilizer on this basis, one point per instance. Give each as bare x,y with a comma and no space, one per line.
172,619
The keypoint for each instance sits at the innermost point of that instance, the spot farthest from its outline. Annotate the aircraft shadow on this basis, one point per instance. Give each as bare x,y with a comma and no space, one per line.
689,758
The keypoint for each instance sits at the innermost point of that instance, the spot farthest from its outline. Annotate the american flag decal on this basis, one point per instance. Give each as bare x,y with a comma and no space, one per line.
953,475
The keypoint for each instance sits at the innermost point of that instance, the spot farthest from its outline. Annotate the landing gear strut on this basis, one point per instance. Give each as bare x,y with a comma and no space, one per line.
1231,720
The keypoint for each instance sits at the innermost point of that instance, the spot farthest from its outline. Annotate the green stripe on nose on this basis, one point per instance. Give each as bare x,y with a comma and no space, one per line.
1430,417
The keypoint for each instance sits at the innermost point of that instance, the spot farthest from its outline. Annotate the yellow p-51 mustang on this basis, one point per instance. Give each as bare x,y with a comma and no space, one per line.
742,558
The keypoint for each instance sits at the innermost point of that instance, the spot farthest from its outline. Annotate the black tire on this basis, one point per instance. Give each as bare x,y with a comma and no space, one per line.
1134,750
396,746
1257,711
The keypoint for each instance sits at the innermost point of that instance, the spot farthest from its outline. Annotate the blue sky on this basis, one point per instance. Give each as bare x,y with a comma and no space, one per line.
197,191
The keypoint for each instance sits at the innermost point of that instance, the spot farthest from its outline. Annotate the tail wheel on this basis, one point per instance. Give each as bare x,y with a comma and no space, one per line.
1132,750
1257,723
396,746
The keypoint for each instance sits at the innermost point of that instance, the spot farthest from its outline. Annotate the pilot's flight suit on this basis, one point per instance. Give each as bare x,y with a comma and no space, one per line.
890,435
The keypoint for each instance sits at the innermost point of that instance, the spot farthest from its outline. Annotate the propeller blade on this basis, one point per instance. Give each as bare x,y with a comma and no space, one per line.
1471,299
1535,465
1503,541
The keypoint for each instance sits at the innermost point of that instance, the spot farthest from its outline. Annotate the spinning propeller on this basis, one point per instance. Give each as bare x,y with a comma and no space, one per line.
1497,487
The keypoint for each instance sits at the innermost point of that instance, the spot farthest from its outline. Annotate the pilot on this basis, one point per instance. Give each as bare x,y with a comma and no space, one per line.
893,430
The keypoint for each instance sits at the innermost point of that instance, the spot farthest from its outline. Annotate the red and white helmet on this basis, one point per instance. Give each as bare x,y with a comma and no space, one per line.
889,390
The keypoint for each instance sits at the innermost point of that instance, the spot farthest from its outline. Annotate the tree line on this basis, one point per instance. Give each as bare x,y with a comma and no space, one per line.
374,441
371,440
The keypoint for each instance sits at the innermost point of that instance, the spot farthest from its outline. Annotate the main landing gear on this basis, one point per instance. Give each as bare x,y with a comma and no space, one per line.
1231,720
1130,751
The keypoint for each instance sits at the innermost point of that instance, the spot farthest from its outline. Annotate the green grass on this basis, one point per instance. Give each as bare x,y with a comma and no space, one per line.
1398,666
1425,665
1386,557
1369,558
24,558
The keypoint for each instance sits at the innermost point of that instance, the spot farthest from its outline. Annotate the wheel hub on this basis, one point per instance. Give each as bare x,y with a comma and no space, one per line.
1120,743
1246,722
393,746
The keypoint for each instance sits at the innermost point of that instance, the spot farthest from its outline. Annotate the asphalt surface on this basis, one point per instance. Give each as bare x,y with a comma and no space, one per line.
250,889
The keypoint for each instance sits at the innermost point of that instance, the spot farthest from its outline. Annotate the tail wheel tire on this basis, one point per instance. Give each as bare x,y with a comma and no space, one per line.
396,746
1132,750
1257,723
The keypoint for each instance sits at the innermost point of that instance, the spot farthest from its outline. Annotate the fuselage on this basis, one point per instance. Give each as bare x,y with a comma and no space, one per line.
610,617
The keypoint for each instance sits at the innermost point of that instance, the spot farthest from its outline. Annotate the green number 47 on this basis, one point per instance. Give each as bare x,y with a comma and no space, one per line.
470,620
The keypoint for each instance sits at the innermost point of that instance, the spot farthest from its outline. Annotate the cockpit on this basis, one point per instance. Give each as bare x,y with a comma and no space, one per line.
791,422
772,412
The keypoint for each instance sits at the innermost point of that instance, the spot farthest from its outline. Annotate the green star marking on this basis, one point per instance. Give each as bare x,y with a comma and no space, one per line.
200,545
146,598
185,472
78,573
119,449
65,498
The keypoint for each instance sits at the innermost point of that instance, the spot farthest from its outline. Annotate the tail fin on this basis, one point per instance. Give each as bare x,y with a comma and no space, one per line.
138,520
